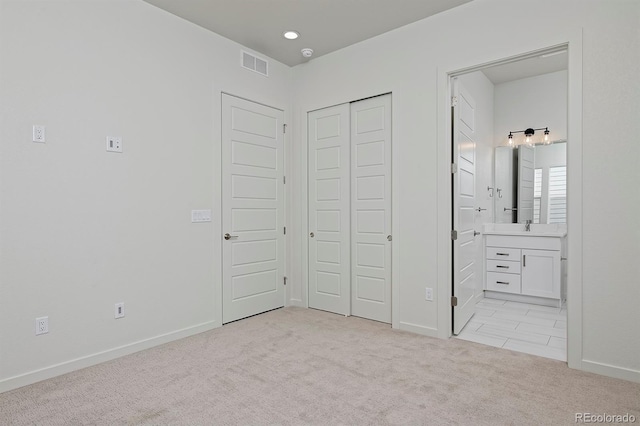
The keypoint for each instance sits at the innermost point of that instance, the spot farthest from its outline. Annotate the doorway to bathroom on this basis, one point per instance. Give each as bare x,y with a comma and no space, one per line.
509,132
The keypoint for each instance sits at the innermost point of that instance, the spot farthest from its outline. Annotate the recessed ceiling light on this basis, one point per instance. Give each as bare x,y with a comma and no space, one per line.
291,35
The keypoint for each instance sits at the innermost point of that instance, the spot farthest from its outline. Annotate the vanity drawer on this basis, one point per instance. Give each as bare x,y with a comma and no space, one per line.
507,266
502,253
507,283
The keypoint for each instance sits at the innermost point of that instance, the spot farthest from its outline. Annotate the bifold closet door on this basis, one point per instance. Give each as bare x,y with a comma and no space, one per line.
328,165
371,208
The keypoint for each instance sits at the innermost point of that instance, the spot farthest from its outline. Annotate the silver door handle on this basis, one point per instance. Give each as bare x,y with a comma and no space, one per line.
389,238
311,234
228,236
480,209
524,260
475,233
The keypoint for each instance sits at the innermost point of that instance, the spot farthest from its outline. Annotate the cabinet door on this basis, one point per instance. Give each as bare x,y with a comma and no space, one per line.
541,273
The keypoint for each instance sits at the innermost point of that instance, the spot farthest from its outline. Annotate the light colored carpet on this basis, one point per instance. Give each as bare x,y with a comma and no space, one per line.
301,366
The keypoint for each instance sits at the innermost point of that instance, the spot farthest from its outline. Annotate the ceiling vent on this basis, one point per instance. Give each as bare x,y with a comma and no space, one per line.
254,63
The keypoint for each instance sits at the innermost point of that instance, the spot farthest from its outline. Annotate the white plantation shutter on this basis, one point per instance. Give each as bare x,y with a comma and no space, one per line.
558,194
537,194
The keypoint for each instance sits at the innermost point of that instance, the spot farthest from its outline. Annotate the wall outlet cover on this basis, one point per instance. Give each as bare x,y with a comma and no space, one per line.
42,325
114,144
38,133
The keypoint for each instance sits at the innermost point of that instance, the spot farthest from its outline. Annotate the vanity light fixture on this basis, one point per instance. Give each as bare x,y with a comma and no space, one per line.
291,35
528,134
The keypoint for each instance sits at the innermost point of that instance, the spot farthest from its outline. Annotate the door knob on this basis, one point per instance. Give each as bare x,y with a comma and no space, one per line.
228,236
475,233
311,234
389,238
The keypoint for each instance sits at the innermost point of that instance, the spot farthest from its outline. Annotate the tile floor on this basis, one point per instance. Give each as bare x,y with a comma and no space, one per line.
523,327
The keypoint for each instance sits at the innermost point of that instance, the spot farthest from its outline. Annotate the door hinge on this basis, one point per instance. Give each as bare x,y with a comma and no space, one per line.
454,168
284,128
454,101
285,230
454,301
285,280
454,234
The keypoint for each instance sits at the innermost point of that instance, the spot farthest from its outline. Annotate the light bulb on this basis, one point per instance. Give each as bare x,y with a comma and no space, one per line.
546,136
528,139
510,139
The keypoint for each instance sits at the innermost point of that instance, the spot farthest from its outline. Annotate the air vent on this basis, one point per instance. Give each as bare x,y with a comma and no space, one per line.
254,63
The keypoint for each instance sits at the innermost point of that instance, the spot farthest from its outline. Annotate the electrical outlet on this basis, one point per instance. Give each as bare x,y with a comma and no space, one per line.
119,310
428,293
114,144
38,133
42,325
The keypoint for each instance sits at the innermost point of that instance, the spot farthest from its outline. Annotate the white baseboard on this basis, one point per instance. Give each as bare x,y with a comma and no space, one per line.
418,329
100,357
611,371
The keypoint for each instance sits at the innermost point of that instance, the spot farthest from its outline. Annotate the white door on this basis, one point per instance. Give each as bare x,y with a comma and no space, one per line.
371,208
464,184
526,180
329,232
252,208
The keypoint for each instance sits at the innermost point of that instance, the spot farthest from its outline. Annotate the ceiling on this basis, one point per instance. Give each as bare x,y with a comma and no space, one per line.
529,67
324,25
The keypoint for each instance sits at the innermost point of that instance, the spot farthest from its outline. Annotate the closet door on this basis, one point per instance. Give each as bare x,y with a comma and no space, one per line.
329,257
371,208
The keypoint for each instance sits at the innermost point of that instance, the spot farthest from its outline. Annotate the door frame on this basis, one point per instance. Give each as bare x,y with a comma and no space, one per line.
302,187
573,43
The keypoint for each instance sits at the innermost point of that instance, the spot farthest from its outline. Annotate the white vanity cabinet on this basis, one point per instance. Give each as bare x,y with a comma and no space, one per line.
525,266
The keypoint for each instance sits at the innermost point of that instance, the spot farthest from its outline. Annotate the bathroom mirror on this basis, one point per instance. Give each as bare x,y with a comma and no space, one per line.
531,183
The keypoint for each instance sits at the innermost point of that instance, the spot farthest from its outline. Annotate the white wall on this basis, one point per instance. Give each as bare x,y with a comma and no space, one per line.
535,102
408,62
482,91
82,229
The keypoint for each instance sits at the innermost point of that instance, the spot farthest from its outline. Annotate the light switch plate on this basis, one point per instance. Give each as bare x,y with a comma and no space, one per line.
200,216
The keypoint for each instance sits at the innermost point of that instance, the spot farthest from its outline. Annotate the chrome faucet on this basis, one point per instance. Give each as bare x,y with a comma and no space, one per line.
527,226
